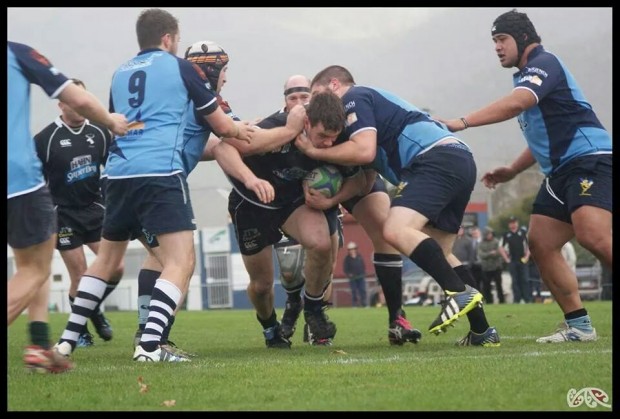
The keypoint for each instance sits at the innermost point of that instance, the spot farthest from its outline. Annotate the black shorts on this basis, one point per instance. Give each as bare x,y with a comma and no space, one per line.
257,227
151,239
334,222
30,219
585,180
378,186
159,204
438,184
79,225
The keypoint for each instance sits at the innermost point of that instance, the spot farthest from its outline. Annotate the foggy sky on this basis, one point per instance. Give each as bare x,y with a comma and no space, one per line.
437,58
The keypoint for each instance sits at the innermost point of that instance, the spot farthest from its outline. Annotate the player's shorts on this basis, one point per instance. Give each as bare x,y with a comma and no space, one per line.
334,223
378,186
586,180
159,204
30,219
79,225
257,227
151,239
438,184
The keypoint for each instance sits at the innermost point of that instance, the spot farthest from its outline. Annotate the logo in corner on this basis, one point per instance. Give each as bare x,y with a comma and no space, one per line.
585,184
398,190
591,396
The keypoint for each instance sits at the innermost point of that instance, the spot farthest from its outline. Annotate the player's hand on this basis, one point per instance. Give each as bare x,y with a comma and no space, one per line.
316,200
498,175
263,189
453,125
295,119
303,144
119,126
245,131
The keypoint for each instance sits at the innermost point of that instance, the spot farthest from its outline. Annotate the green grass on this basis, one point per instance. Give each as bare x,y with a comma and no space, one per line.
361,371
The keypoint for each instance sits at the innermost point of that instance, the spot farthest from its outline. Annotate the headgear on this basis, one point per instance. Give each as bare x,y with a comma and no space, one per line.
519,26
210,57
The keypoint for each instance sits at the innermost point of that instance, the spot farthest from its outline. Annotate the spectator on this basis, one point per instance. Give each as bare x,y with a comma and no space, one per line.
514,249
491,262
463,249
355,270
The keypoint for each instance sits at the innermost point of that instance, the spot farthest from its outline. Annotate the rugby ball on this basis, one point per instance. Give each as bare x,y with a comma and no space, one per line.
325,179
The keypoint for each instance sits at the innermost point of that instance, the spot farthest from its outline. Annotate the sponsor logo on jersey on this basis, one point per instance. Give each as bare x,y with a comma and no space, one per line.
65,143
82,167
136,127
536,70
349,105
89,139
351,119
532,79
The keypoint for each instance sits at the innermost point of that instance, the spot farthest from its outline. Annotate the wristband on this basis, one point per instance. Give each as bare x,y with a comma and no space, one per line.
465,123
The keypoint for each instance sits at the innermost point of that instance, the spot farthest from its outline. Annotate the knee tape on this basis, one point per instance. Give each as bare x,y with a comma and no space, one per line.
291,261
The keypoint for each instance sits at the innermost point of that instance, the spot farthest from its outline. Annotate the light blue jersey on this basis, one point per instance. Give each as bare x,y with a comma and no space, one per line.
154,91
562,126
197,134
25,66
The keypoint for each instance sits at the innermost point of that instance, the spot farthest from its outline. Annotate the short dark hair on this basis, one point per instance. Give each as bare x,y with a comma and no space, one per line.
333,72
152,24
326,107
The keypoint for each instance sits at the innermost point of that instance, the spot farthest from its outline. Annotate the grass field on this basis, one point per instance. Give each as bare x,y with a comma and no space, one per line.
361,371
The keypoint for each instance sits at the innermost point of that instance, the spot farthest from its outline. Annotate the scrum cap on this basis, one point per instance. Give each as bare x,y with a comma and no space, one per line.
210,57
519,26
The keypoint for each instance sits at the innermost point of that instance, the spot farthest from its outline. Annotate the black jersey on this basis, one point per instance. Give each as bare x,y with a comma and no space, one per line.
284,168
72,160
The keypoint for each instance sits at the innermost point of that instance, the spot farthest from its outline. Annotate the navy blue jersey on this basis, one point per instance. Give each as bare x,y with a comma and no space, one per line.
403,130
153,90
25,66
562,125
72,159
284,168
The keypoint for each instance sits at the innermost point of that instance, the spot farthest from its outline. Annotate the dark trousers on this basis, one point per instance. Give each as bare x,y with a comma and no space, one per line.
520,281
476,272
358,292
490,277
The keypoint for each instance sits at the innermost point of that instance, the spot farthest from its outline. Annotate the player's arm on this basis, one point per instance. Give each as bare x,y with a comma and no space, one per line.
270,137
360,149
501,110
86,104
504,174
232,164
207,152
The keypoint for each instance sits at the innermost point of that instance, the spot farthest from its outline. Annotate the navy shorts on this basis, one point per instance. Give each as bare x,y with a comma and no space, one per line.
378,186
30,219
79,225
151,239
585,180
438,184
257,227
159,204
334,222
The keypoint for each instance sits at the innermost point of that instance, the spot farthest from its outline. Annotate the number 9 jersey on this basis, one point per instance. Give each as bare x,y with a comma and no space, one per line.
153,91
